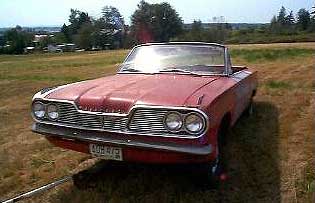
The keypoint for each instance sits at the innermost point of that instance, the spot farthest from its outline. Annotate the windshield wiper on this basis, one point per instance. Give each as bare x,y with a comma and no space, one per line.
177,70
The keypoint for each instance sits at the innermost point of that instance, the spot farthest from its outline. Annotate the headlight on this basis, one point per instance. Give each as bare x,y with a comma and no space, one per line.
194,123
173,121
52,112
39,110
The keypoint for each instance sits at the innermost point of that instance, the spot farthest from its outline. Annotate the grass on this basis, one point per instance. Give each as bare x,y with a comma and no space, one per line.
254,38
278,84
270,154
270,54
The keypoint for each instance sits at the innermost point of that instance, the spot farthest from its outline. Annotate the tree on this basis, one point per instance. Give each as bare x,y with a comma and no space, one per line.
110,28
155,22
274,21
283,23
303,19
196,32
281,19
84,37
289,19
312,23
101,36
112,18
66,33
59,38
77,19
17,39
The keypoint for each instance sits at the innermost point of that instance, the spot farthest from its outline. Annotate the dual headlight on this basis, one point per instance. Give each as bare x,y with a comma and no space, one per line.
192,122
41,111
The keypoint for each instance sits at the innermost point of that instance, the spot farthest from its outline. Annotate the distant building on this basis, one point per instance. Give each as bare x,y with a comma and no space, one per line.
70,47
53,48
61,48
40,37
28,50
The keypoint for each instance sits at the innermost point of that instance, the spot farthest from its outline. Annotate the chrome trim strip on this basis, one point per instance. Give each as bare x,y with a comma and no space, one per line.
128,115
90,137
181,43
39,95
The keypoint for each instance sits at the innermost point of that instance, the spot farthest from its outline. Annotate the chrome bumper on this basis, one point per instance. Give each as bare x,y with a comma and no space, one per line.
98,137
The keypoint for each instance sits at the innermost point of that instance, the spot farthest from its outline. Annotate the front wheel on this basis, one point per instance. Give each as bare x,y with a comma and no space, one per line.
216,171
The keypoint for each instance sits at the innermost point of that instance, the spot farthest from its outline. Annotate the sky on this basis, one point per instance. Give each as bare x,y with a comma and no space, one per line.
56,12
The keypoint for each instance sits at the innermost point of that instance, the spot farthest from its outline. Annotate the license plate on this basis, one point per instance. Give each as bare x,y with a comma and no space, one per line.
106,152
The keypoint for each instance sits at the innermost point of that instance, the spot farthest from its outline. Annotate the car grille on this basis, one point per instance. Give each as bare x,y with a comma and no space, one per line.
70,115
143,120
148,120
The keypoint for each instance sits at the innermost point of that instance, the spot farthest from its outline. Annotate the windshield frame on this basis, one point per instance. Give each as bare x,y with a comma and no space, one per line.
227,60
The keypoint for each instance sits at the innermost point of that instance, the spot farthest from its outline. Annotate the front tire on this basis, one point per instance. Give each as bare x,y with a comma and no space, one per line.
216,171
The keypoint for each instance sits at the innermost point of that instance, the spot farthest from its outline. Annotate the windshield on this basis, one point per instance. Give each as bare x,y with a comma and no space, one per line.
186,59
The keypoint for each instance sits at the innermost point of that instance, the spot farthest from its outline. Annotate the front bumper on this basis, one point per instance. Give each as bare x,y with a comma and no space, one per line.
98,137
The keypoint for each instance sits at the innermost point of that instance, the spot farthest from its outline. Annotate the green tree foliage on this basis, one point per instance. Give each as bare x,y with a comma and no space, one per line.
281,19
312,23
155,22
112,18
289,19
66,33
274,25
284,23
216,32
60,38
84,36
77,19
109,29
303,19
100,33
197,32
16,40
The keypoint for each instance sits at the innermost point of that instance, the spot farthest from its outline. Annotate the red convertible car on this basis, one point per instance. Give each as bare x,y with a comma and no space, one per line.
168,103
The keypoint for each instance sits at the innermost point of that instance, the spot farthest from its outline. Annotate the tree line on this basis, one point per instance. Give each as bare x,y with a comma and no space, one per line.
158,22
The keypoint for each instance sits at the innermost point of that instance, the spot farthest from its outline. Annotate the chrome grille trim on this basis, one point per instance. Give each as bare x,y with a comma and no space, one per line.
69,115
118,122
148,120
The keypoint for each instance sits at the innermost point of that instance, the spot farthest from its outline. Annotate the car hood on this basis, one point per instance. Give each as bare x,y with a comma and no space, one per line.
118,93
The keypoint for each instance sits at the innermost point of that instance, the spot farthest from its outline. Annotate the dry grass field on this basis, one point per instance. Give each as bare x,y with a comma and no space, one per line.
271,153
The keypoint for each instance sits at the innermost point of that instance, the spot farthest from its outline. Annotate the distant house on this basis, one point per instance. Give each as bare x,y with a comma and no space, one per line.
69,47
61,47
28,50
40,37
53,48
